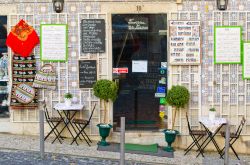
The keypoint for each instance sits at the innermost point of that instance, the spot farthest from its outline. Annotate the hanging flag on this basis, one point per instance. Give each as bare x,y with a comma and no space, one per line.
22,39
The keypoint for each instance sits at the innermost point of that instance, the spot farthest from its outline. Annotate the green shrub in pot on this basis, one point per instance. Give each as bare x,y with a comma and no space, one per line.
106,90
177,97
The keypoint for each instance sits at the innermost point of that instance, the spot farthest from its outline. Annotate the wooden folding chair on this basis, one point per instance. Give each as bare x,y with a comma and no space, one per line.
234,136
196,135
81,124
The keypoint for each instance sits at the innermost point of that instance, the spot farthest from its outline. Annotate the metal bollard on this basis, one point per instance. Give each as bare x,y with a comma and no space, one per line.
41,130
122,138
226,159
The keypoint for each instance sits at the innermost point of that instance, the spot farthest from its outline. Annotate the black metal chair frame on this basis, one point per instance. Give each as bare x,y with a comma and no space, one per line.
233,139
81,127
211,138
67,122
52,124
196,138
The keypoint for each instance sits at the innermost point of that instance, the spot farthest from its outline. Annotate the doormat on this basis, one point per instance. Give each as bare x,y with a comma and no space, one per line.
115,147
140,147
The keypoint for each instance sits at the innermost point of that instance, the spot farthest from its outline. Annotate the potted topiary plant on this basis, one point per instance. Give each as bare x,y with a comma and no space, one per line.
67,99
106,90
212,113
177,97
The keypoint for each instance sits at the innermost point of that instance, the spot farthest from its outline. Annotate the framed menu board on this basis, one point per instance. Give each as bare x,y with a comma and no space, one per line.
246,61
227,45
93,35
54,42
184,42
87,73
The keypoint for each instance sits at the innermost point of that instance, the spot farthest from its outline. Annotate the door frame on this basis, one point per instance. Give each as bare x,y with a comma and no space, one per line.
110,47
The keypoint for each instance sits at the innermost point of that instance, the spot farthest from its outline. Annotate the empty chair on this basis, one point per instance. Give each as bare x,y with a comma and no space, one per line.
81,124
234,136
53,122
196,135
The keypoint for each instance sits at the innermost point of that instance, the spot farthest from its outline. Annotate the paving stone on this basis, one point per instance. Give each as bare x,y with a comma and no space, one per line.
27,147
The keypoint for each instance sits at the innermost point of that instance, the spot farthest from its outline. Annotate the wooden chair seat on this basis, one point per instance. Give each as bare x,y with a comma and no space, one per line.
198,132
80,121
55,119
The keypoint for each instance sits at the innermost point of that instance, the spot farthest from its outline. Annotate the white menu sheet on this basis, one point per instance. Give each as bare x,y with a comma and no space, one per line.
140,66
53,42
246,61
185,41
227,44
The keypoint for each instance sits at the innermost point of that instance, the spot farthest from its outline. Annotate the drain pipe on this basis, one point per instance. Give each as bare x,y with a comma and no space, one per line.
226,159
41,130
122,142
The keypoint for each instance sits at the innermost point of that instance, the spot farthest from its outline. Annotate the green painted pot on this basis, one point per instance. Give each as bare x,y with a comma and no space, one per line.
104,130
170,136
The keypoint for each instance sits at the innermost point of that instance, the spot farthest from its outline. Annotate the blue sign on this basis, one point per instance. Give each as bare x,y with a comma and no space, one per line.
161,89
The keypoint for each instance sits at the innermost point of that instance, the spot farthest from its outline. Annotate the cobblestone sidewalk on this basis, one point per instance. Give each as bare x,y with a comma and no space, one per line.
14,157
66,153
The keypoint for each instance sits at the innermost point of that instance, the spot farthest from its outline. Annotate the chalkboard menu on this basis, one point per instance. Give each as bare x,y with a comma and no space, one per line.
87,73
184,42
93,35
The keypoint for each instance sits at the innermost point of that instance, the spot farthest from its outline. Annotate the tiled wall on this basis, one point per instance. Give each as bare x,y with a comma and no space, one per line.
232,103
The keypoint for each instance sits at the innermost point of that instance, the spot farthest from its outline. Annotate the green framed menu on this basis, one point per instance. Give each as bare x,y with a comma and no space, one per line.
246,61
227,45
54,42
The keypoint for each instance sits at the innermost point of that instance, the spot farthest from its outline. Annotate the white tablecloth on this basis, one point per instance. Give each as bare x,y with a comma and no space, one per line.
63,107
212,125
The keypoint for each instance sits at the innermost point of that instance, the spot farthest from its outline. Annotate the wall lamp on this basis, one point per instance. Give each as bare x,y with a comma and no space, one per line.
58,5
222,4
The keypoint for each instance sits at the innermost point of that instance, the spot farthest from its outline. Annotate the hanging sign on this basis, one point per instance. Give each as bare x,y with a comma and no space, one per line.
120,70
87,73
227,45
184,42
93,35
54,42
246,61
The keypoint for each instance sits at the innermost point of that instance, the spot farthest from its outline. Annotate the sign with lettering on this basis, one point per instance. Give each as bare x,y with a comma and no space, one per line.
120,70
161,90
93,35
138,23
185,41
87,73
227,45
246,61
157,95
54,42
